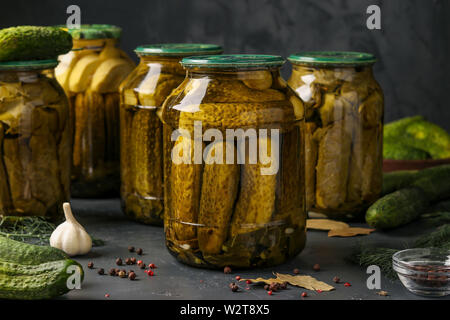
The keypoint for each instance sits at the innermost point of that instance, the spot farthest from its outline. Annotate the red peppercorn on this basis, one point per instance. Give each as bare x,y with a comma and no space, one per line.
248,282
152,266
319,291
316,267
150,273
347,284
140,262
90,265
238,278
107,295
269,292
227,270
304,294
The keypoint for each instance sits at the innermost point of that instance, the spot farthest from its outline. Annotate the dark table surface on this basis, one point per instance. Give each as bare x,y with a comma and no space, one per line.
103,219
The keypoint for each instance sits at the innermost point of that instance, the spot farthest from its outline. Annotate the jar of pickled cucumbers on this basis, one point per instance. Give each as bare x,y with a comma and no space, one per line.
91,74
35,140
142,95
343,131
233,156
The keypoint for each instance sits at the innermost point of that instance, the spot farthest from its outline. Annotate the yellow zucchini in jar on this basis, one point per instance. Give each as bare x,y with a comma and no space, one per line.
219,188
94,152
82,72
185,189
109,74
256,203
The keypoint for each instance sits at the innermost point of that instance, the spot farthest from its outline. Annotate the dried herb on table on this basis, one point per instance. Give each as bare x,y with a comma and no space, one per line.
34,230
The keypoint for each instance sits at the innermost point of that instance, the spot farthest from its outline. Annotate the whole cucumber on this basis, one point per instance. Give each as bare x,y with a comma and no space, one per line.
41,281
29,254
397,208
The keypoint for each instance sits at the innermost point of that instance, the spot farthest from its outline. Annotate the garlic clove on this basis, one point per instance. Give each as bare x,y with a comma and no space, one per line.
70,236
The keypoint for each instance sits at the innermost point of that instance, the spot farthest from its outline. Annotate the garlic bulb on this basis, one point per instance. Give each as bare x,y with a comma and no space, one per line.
70,236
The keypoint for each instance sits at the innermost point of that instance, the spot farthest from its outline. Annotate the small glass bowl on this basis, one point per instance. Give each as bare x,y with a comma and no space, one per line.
424,271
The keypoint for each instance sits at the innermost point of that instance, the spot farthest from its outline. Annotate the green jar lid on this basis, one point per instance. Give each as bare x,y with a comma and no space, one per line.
240,61
178,49
332,58
28,65
95,31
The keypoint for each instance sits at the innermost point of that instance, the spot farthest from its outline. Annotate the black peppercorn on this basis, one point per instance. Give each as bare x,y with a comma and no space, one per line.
131,276
119,261
139,251
227,270
90,265
101,271
131,248
112,272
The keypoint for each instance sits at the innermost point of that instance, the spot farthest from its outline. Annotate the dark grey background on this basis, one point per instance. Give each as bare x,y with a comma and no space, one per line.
413,46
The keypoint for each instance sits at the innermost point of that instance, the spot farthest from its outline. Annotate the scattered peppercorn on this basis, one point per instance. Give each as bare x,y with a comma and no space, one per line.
119,261
238,278
269,292
112,272
231,284
132,276
347,284
90,265
122,274
101,271
266,287
152,266
316,267
150,273
131,248
336,279
128,261
248,281
296,271
274,286
133,260
139,251
227,270
107,295
117,271
383,293
283,285
319,291
131,271
234,288
304,294
141,264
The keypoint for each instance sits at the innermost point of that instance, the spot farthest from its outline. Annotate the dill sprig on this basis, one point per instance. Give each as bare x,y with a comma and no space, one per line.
365,255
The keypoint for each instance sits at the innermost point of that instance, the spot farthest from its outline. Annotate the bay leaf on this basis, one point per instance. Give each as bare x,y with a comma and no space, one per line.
325,224
349,232
304,281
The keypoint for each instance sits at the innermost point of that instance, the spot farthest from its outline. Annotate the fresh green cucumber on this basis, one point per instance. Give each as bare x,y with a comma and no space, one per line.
41,281
405,205
397,208
393,181
29,254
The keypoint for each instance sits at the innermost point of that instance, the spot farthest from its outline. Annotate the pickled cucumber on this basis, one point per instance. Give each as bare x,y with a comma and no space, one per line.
219,190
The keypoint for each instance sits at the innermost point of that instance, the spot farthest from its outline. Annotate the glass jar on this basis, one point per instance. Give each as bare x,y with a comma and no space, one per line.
35,140
91,74
343,131
233,156
142,94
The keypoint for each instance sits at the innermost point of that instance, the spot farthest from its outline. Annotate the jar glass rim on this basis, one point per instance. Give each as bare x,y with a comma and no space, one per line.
28,65
94,31
178,49
236,61
332,58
